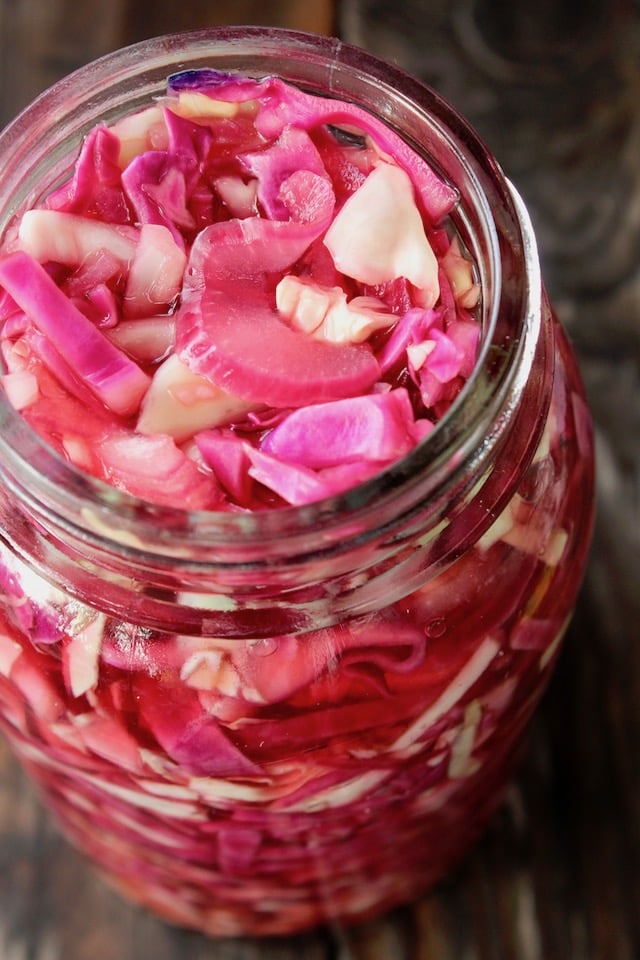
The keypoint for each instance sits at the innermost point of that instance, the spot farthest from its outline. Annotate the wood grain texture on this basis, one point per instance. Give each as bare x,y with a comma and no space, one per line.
167,15
557,874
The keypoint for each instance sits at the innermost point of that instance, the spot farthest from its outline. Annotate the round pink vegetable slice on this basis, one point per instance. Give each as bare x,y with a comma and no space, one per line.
244,347
228,328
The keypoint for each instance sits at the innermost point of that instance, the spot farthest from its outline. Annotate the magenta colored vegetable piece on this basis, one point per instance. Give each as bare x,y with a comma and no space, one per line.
104,736
296,484
188,140
412,328
291,665
292,151
45,350
466,335
446,359
205,749
11,314
344,476
115,379
154,468
18,607
582,423
245,348
225,453
375,427
237,848
194,740
157,191
237,251
431,389
346,168
228,328
533,634
167,187
95,189
102,308
447,297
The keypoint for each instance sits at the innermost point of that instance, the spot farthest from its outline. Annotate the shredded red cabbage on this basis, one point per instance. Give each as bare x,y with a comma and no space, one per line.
108,373
283,248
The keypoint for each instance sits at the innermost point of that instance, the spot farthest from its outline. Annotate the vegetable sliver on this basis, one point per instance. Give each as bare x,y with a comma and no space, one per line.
115,379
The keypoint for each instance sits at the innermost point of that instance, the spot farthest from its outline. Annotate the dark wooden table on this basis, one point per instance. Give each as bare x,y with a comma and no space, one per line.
555,89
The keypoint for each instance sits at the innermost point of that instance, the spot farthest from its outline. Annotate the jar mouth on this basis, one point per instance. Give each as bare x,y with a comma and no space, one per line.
490,216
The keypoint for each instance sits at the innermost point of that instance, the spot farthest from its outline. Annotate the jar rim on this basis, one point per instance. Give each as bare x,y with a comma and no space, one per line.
48,483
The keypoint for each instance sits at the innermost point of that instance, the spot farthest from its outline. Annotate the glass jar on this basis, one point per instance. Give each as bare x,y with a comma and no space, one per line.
256,723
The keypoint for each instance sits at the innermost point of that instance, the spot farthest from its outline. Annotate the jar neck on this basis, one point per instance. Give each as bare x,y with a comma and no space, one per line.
339,555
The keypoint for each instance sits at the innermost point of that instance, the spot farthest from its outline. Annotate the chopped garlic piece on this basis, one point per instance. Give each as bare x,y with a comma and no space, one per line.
324,313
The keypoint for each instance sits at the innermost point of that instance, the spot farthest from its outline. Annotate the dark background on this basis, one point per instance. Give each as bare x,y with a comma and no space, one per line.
555,90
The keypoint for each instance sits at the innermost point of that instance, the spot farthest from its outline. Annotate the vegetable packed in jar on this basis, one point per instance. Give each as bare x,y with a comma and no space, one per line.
296,468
